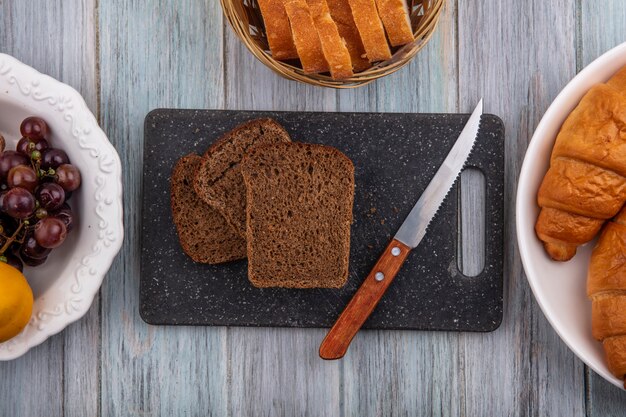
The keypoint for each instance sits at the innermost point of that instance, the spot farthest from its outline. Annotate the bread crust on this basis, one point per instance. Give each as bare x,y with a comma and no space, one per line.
278,30
607,315
587,174
334,48
615,350
618,81
397,21
561,226
594,133
342,15
581,188
204,234
371,30
607,268
606,287
218,181
306,37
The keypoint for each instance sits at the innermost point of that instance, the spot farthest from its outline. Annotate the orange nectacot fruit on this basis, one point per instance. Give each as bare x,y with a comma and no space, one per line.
16,302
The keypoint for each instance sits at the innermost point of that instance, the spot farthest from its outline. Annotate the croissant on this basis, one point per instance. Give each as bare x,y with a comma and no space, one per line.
606,286
586,182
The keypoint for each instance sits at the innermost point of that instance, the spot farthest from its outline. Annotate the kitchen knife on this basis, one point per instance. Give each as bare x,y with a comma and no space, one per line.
409,235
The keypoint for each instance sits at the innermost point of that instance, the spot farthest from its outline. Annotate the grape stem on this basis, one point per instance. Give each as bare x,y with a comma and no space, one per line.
11,239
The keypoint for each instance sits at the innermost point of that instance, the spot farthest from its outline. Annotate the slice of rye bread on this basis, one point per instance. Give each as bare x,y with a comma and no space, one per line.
306,37
218,181
333,46
397,20
278,29
371,29
342,15
300,199
204,234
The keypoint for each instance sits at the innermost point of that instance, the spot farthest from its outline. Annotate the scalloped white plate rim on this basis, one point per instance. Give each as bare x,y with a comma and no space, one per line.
541,272
30,88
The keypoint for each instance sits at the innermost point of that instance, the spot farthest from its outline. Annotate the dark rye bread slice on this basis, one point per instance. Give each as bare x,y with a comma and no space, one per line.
299,213
218,181
202,231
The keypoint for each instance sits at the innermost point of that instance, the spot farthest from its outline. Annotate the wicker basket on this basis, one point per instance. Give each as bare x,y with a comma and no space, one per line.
245,18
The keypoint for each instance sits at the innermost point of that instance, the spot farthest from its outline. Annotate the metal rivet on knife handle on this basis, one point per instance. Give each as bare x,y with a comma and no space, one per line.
363,302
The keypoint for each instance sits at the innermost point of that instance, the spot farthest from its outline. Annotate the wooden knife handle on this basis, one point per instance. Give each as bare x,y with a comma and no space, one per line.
338,339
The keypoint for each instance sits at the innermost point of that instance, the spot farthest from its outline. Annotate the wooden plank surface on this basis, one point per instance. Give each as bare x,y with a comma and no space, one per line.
52,379
127,57
504,63
155,54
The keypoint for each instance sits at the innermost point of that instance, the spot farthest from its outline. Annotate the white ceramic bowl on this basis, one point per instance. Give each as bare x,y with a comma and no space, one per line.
560,287
64,287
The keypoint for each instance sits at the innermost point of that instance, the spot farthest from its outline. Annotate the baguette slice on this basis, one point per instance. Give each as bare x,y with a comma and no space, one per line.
342,15
203,232
278,30
218,181
397,21
334,48
371,29
300,199
305,36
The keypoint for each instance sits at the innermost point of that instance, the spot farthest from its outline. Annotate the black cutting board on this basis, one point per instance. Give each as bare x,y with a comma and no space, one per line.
395,157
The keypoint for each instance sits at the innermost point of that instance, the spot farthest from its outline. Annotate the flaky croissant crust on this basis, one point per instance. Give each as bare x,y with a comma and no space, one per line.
586,182
606,287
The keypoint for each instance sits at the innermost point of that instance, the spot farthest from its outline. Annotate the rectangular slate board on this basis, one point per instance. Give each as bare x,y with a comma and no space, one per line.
395,156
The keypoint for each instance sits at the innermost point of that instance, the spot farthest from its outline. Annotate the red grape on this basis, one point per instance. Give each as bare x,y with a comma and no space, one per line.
24,147
7,223
52,158
22,176
65,215
34,128
10,159
68,177
35,183
51,196
18,203
32,261
50,232
32,249
14,261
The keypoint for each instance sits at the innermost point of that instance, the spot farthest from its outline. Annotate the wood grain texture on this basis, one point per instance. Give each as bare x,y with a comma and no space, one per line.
602,26
60,377
471,240
527,364
155,54
364,301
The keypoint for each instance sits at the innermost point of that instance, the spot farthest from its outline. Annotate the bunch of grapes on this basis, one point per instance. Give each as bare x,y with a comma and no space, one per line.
36,181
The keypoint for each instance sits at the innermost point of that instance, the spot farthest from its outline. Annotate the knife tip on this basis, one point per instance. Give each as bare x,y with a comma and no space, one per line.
478,110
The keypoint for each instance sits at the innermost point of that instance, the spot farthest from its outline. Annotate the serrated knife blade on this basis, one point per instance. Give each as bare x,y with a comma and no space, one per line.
415,225
408,237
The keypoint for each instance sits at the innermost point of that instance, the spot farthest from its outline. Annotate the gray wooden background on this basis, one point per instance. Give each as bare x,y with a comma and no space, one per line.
129,56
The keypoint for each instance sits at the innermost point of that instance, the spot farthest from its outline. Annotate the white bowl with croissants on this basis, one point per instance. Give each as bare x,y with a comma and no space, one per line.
573,247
